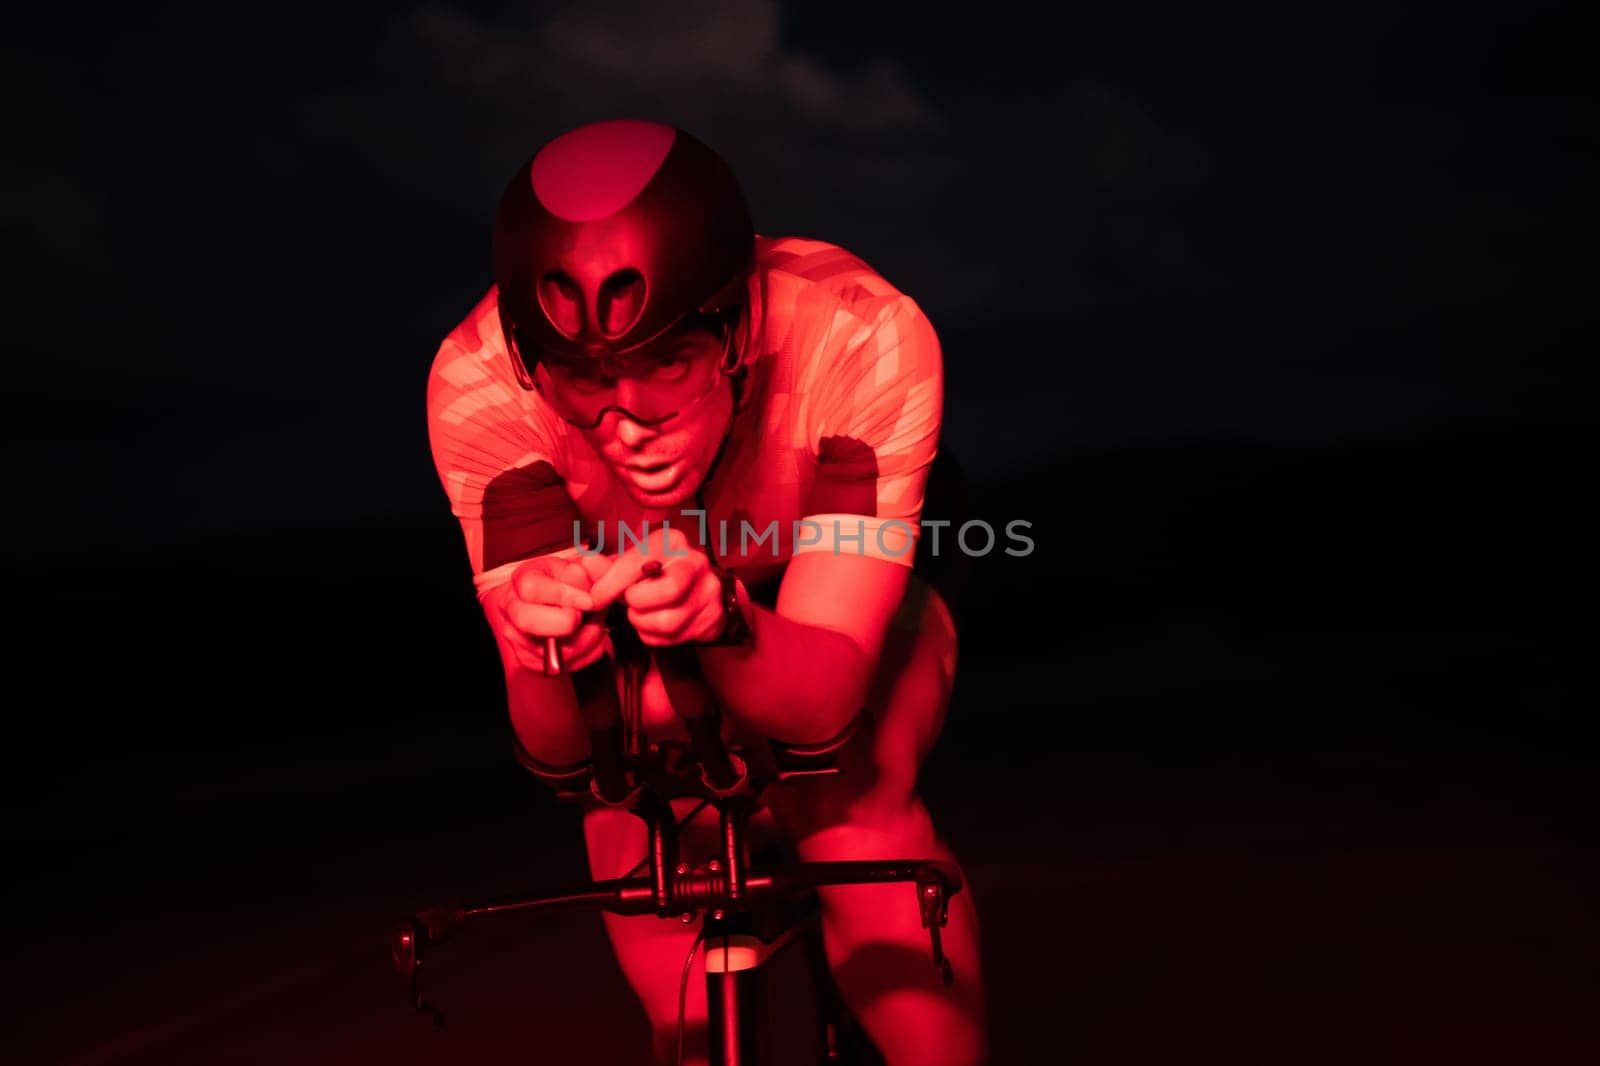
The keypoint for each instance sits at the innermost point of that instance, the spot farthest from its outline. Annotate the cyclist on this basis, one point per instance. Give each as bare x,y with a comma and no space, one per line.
644,357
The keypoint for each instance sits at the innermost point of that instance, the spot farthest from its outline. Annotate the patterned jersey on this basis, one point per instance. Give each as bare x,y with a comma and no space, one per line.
829,448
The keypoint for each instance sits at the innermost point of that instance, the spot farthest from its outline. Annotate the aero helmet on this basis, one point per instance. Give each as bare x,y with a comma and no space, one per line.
611,235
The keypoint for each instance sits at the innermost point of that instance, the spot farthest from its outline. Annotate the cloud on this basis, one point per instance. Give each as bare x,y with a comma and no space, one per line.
51,207
55,209
446,104
730,43
466,99
1121,144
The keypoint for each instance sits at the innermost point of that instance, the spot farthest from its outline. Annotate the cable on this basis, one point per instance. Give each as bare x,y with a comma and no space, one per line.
683,987
688,963
685,820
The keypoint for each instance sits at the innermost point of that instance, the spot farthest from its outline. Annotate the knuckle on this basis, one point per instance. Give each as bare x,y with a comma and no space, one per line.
533,568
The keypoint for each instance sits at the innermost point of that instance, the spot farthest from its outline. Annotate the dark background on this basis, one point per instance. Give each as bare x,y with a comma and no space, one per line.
1270,324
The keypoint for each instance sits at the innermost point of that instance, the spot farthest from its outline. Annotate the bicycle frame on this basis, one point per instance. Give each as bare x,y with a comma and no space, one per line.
742,924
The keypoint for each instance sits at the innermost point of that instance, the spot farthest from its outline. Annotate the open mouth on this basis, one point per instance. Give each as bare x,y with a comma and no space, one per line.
654,477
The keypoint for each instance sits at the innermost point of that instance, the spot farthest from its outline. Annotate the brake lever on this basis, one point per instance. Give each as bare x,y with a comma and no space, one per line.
934,903
408,948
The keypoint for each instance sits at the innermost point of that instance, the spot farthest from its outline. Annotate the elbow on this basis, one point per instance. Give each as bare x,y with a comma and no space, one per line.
843,719
808,716
822,713
802,685
819,720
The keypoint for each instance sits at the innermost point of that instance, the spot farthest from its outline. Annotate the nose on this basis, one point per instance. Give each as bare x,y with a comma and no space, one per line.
631,433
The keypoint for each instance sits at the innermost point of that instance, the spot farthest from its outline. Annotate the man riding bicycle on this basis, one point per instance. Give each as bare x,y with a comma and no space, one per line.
730,435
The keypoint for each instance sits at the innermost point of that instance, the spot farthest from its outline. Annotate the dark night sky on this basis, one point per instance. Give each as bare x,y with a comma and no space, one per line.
1270,321
242,238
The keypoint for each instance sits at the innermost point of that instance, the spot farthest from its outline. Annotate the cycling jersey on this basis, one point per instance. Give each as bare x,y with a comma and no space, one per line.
829,448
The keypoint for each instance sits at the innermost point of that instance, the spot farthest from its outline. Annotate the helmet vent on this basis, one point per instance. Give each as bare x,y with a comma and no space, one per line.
621,302
562,302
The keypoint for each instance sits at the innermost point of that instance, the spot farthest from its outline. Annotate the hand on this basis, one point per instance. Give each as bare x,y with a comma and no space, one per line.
549,598
679,604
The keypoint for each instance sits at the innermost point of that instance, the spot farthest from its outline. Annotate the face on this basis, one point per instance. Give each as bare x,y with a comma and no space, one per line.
660,465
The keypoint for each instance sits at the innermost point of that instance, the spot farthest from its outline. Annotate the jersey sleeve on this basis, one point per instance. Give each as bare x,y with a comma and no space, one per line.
496,456
877,416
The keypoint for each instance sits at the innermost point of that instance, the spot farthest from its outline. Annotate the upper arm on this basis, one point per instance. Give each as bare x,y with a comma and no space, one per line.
496,463
849,594
497,458
879,406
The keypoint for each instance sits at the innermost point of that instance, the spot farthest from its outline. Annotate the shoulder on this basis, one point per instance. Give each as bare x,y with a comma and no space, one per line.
475,406
854,355
479,331
819,272
472,357
471,377
825,305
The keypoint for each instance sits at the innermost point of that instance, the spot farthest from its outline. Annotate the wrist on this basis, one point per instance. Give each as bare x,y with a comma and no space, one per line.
737,628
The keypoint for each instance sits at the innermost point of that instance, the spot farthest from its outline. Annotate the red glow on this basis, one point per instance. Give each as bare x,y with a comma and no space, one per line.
595,170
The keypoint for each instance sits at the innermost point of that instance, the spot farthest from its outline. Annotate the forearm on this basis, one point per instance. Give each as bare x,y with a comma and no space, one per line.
798,683
544,710
545,716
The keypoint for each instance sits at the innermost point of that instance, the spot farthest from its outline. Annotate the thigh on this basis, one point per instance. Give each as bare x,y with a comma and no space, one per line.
649,950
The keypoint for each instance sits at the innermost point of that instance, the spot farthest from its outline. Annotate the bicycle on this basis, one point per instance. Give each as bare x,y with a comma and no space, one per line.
748,914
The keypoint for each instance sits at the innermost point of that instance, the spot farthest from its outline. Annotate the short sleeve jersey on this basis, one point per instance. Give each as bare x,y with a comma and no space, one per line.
829,448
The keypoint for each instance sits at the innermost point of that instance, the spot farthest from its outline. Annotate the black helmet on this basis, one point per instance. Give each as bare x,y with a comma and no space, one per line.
611,235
